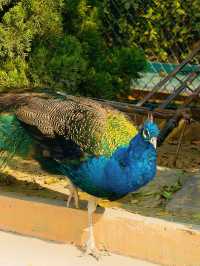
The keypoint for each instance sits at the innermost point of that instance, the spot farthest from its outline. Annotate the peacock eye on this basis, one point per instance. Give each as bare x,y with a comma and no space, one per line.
146,134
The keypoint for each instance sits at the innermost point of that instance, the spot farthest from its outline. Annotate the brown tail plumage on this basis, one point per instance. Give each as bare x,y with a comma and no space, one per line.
10,101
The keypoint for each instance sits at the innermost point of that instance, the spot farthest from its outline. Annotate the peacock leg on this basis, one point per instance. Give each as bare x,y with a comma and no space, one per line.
90,244
76,198
73,194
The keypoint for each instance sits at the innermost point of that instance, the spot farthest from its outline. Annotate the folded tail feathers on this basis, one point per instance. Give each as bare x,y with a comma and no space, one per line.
13,139
9,101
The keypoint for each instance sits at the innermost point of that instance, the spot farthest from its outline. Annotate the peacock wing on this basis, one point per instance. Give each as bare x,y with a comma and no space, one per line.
65,128
78,123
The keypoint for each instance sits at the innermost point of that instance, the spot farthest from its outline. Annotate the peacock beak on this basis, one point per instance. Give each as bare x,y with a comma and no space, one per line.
153,141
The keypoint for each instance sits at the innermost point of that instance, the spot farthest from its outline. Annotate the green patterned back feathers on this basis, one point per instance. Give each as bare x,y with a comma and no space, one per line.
98,129
116,130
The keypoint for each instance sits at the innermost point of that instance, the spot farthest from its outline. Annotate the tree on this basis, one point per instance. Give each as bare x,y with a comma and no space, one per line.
91,47
166,30
62,45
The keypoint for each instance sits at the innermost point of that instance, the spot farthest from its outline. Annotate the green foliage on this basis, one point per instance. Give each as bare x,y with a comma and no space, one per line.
162,28
61,45
3,3
20,25
168,191
59,63
110,67
90,47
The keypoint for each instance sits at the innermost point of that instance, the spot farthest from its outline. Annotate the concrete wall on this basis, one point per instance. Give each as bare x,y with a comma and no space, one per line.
116,230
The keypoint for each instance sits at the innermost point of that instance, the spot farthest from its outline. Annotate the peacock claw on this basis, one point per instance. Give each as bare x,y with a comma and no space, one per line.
105,252
94,253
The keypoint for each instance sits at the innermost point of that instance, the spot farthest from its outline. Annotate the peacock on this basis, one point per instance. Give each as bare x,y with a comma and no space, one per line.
94,145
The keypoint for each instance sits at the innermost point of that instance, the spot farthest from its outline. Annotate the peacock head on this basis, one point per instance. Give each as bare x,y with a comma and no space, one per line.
150,131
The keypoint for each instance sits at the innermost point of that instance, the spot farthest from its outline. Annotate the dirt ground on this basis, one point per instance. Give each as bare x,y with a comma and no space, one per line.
188,158
189,154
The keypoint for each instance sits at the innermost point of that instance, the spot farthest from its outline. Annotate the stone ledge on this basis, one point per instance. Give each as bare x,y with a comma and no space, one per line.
118,231
186,200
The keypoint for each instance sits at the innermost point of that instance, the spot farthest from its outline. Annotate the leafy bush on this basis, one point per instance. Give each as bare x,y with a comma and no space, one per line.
164,29
61,45
90,47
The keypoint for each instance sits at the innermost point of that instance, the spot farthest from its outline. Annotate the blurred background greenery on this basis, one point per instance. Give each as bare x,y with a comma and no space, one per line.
92,48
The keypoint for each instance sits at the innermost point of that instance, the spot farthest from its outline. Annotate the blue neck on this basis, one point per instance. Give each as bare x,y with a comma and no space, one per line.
137,146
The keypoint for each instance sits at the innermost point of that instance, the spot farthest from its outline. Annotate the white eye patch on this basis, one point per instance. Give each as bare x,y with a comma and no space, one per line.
146,134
